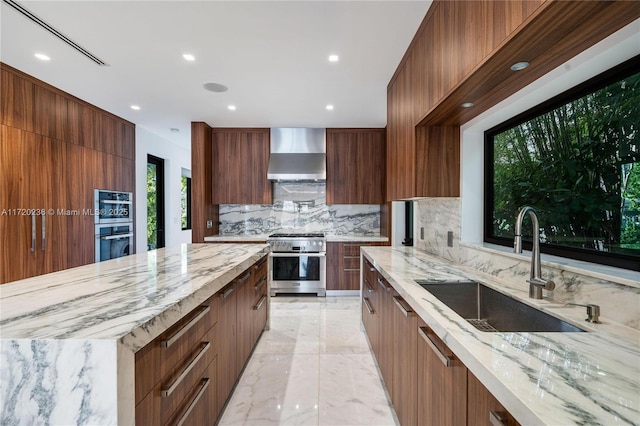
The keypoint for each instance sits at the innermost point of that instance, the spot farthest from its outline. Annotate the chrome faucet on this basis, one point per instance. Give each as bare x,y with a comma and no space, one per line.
536,283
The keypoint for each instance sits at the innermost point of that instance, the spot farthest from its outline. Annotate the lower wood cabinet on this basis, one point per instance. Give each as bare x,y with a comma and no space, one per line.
483,409
343,264
442,382
427,383
186,375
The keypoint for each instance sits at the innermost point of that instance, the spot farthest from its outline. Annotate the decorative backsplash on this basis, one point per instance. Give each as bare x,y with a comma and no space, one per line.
619,301
299,207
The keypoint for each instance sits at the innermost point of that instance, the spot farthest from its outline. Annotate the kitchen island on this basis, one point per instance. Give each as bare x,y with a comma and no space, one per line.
68,339
550,378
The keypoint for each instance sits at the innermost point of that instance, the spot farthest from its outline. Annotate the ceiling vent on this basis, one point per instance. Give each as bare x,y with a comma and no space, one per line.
55,32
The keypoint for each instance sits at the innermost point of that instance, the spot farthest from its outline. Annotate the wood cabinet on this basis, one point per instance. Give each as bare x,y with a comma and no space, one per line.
404,389
442,382
483,409
343,264
55,150
189,371
355,166
239,164
427,383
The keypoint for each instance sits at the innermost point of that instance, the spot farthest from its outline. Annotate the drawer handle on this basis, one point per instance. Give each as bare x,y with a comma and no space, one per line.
261,283
262,262
368,305
194,402
245,276
446,360
400,303
369,288
260,302
351,269
171,340
372,269
351,245
383,284
168,391
352,257
497,419
228,292
33,232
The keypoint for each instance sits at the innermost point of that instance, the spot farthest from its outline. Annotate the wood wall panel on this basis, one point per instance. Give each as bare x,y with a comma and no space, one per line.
202,208
17,101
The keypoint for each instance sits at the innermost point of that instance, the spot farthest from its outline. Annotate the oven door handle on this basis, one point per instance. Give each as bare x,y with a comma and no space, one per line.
117,236
295,253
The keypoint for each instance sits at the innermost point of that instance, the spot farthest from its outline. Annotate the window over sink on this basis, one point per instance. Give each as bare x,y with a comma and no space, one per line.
576,159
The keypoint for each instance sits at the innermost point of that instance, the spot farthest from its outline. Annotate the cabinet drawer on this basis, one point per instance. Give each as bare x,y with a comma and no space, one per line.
351,249
199,406
259,269
351,262
158,358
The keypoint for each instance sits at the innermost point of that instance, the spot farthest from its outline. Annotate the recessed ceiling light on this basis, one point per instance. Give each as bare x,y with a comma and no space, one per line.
329,107
135,107
215,87
232,107
189,57
174,130
42,57
333,58
467,105
518,66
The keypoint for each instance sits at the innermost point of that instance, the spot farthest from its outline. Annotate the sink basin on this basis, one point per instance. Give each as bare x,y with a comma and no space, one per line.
489,310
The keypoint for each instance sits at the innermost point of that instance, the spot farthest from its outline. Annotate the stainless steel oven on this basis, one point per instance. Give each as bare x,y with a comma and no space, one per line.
298,263
113,240
113,206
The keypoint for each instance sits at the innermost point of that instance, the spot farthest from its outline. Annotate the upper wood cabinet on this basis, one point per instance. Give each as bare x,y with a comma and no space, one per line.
462,52
355,166
240,160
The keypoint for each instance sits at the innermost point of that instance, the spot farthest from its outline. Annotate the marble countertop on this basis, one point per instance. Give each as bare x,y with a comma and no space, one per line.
68,339
541,378
122,298
261,238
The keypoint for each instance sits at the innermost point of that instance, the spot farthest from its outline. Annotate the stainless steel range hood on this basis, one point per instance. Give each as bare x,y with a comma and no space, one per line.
297,154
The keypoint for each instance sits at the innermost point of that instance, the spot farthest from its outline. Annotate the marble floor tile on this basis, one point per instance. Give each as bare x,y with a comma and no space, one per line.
313,367
351,392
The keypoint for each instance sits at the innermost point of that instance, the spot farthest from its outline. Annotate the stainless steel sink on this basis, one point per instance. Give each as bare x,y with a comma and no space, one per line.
490,310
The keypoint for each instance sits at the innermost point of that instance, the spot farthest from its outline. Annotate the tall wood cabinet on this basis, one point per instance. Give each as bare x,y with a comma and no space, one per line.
355,166
55,149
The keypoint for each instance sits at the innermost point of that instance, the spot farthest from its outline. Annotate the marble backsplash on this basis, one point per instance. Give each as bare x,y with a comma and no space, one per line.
299,207
618,298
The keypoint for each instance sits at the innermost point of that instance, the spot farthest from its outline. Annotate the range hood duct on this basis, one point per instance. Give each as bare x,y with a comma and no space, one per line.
298,154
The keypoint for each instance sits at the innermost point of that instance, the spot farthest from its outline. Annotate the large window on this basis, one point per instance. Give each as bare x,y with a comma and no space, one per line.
576,160
185,199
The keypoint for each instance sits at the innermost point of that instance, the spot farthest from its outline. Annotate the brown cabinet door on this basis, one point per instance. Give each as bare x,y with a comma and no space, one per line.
355,166
386,350
245,291
370,311
442,382
404,389
260,297
227,336
483,408
240,160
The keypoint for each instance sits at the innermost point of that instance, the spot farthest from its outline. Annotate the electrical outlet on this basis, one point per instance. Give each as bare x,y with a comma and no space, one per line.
450,238
422,233
209,224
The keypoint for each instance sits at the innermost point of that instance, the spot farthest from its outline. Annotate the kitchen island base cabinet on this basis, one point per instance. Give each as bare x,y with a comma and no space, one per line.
404,388
186,375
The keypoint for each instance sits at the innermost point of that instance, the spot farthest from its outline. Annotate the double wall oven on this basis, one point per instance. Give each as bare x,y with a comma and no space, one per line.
298,263
113,217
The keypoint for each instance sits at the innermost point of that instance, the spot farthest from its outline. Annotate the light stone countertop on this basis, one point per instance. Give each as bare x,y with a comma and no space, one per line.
261,238
68,338
540,378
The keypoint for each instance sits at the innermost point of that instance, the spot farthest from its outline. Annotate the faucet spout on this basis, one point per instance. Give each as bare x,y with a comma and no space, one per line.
536,282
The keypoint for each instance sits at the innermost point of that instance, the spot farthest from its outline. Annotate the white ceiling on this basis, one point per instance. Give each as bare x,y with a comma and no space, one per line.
273,56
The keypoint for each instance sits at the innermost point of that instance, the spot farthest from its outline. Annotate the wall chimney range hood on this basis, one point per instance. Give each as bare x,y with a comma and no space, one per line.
297,154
